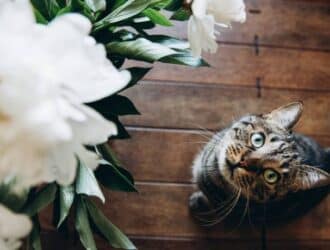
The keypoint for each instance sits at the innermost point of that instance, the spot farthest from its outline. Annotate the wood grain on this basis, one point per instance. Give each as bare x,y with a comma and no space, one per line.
165,155
296,24
214,107
173,244
240,66
55,241
161,210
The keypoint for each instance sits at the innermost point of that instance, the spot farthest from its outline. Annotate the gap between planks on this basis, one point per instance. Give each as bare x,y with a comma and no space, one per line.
214,85
189,130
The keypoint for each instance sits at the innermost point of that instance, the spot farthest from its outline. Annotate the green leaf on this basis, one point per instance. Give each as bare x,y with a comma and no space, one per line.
64,10
39,17
115,105
183,56
41,200
83,227
142,24
161,4
12,199
174,5
137,74
52,8
41,7
115,177
170,42
105,151
140,49
110,173
117,3
34,238
157,17
129,9
96,5
86,182
185,59
122,132
181,14
115,237
66,198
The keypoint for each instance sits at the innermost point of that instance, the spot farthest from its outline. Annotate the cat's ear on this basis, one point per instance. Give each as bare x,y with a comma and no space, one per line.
286,116
308,177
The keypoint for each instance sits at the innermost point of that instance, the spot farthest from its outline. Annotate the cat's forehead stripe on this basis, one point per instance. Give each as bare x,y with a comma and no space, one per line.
248,123
258,121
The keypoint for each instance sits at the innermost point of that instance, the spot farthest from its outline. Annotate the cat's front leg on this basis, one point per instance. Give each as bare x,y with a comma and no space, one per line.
199,203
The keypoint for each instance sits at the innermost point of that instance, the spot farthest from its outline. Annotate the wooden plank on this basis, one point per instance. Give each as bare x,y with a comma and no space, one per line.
154,155
296,24
214,107
165,155
240,66
54,241
161,210
182,244
172,244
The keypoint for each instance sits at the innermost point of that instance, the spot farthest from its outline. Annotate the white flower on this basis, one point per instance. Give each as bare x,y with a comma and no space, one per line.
47,73
13,227
207,14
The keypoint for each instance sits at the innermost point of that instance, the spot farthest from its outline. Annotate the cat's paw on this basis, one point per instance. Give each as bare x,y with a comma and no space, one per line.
198,203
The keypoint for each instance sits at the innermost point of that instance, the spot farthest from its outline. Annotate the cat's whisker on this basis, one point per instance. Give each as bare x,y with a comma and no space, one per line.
205,129
249,215
224,204
230,204
245,211
196,142
226,212
205,136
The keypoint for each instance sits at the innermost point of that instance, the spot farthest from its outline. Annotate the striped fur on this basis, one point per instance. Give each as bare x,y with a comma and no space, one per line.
230,164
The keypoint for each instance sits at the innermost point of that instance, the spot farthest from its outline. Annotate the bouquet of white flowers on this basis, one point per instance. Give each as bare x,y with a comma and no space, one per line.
60,75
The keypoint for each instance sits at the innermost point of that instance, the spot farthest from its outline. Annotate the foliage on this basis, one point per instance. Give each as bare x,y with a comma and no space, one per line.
123,27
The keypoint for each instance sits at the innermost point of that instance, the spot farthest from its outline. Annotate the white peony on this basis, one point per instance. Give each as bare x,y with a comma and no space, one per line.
47,73
206,14
13,227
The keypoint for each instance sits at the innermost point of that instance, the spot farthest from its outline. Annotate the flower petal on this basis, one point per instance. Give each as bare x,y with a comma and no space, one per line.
62,164
13,227
201,35
225,11
199,7
95,129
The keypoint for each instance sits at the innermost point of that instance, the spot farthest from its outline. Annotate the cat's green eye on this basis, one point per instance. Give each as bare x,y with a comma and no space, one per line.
257,140
270,176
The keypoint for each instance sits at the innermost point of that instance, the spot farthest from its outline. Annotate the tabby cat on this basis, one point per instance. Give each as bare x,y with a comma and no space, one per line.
259,158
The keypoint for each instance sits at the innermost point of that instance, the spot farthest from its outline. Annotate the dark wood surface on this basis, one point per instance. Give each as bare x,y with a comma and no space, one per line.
160,209
281,54
239,65
55,241
173,105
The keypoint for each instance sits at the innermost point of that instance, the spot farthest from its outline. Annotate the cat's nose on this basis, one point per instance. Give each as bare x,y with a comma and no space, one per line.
250,164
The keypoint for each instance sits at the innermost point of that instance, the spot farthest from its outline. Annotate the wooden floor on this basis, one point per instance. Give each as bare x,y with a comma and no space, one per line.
281,54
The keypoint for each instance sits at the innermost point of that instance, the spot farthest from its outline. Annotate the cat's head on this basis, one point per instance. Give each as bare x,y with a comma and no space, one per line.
258,155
